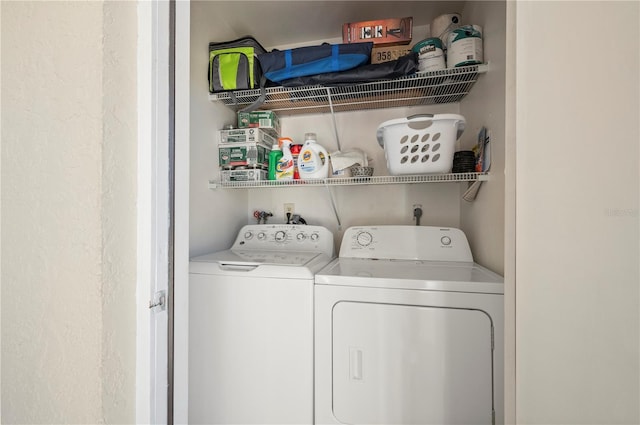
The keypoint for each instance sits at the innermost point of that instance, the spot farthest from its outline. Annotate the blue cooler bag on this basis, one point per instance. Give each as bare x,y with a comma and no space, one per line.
280,65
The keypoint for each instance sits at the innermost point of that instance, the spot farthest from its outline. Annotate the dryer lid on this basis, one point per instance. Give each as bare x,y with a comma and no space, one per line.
447,276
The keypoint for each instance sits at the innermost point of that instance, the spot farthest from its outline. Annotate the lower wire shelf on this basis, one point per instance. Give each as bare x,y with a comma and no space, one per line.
352,181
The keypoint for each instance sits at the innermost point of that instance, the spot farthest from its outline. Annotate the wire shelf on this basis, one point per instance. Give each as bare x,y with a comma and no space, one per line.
445,86
352,181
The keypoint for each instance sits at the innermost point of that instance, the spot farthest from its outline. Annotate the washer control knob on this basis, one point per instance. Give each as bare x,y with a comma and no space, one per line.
301,236
262,236
446,240
280,236
364,238
315,237
248,235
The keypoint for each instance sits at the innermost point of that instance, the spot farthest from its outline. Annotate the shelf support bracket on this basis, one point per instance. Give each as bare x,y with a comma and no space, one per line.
333,205
333,118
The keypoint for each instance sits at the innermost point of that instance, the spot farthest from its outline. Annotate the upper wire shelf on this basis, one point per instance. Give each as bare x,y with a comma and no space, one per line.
427,88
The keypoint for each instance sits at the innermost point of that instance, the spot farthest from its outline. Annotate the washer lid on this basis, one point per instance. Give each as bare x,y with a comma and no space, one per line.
450,276
256,263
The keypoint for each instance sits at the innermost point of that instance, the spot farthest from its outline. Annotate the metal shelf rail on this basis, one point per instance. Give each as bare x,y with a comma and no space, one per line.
445,86
352,181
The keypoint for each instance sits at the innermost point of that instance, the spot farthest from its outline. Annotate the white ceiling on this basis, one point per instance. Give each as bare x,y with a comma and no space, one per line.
277,23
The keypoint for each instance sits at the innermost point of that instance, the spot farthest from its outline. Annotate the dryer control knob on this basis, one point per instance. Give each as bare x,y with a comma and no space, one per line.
248,235
364,238
261,236
315,237
301,236
446,240
280,236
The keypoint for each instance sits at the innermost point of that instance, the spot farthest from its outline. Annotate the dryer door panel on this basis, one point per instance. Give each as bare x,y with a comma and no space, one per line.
398,364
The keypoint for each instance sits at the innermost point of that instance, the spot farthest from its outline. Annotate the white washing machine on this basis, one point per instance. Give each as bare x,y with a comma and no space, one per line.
409,330
251,326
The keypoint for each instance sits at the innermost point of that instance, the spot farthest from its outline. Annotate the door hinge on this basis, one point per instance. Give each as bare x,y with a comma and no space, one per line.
159,301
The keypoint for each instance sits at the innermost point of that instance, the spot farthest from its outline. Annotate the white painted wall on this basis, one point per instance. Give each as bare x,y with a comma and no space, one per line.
483,219
360,205
118,211
68,212
577,230
215,215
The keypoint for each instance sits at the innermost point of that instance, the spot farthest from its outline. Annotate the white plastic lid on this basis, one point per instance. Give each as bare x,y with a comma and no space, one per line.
275,147
310,136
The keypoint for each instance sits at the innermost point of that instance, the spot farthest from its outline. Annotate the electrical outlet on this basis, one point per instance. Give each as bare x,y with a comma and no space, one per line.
289,209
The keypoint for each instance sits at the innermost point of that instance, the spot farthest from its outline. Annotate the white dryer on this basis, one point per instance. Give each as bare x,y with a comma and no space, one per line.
251,326
409,330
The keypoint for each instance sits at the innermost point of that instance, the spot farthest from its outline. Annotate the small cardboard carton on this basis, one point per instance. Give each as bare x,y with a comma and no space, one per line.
380,54
232,155
264,120
383,32
243,175
247,135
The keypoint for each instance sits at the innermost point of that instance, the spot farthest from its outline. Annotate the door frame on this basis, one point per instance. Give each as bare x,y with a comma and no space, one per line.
158,258
181,212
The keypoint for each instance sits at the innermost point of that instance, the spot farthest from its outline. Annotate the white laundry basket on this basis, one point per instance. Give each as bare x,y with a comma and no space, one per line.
420,144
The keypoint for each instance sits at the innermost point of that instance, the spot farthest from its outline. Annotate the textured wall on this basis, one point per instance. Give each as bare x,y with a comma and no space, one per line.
118,211
68,192
577,292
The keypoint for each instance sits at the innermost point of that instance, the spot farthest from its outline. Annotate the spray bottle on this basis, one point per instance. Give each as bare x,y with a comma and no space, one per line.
284,168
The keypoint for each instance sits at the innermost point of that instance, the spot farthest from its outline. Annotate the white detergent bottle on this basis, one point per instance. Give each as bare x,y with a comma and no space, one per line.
313,161
284,167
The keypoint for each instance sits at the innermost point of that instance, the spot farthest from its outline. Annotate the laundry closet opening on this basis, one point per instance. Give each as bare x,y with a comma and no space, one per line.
216,214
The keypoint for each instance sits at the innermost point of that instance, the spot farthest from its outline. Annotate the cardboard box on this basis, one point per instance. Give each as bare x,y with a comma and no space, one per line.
383,32
243,175
243,154
247,135
264,120
380,54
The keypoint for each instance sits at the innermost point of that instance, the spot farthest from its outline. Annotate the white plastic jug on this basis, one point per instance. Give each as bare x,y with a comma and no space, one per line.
313,162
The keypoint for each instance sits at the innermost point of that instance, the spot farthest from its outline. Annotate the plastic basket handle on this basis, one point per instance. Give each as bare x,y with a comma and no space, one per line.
413,117
460,128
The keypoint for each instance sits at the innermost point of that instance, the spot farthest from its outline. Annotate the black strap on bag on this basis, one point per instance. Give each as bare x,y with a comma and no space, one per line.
260,101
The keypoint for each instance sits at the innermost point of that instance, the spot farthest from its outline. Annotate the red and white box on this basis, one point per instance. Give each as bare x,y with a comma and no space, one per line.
382,32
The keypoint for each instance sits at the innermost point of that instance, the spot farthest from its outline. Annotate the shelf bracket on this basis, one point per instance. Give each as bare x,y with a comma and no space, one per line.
333,205
333,118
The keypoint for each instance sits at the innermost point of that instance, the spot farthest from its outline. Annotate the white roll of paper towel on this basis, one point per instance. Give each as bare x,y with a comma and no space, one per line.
443,24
